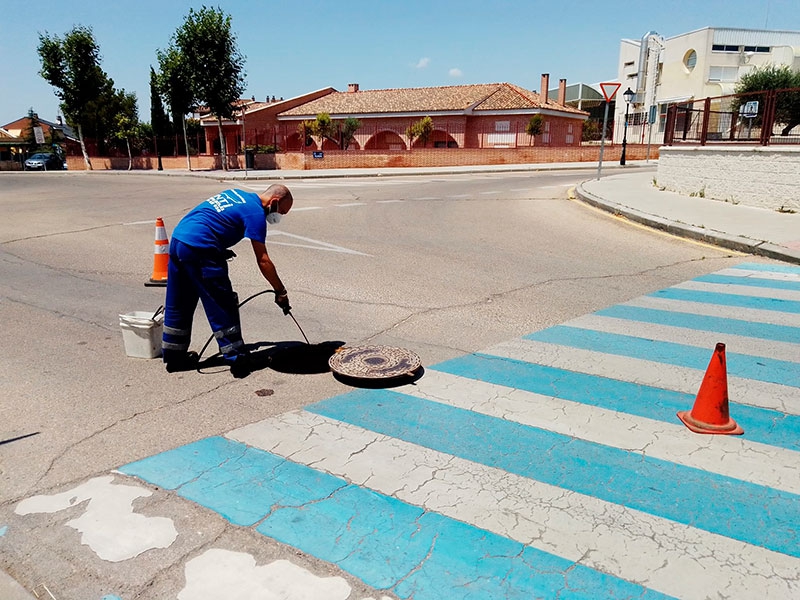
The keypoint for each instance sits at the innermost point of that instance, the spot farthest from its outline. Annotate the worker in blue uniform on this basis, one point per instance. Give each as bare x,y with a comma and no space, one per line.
198,270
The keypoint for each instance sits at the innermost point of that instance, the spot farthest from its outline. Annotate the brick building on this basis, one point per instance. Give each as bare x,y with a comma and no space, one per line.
481,116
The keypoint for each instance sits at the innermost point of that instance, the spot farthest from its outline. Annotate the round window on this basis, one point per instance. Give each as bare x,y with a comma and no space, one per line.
690,60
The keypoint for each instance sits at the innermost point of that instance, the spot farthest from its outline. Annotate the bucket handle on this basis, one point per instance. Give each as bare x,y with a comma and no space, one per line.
159,310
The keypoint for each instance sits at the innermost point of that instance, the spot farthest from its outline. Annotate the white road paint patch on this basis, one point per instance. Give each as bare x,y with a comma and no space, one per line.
108,526
221,573
303,208
349,204
310,243
388,201
148,222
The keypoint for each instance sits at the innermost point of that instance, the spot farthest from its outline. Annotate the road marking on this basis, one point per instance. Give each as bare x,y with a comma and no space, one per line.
349,204
310,243
109,509
218,573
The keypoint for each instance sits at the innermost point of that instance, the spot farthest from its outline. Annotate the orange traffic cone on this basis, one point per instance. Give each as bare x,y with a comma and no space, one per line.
160,256
710,411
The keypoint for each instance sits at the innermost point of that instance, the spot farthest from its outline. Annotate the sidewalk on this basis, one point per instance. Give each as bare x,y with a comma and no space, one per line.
747,229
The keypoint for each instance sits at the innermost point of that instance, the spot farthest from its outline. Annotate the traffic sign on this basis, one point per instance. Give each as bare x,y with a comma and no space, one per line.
750,109
609,90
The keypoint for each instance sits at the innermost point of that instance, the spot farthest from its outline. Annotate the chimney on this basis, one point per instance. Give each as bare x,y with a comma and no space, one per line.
562,91
352,88
545,87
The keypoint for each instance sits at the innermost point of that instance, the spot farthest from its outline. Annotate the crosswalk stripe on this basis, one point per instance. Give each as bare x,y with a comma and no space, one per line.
704,308
684,380
647,484
729,299
663,555
738,328
696,337
388,543
740,289
769,268
757,368
770,283
732,456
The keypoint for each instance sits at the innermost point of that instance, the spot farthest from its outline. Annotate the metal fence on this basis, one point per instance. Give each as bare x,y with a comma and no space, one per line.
767,118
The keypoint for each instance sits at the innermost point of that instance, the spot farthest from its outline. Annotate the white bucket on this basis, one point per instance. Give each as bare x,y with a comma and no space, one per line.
142,334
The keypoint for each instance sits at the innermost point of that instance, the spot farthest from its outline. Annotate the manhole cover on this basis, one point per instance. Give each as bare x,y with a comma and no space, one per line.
374,362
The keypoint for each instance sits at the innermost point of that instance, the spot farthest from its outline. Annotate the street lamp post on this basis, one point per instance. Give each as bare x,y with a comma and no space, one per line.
628,95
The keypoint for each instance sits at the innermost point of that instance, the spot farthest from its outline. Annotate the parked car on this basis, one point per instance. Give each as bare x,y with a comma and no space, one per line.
44,161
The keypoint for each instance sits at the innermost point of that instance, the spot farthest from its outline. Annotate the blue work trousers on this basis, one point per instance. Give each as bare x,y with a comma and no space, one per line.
195,274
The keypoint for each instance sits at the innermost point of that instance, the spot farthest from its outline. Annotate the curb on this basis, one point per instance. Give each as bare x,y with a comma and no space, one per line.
710,236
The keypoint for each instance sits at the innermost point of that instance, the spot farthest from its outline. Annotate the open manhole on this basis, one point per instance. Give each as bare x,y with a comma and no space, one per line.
375,363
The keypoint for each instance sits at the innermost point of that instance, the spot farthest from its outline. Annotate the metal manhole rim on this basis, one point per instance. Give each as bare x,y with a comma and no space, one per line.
387,362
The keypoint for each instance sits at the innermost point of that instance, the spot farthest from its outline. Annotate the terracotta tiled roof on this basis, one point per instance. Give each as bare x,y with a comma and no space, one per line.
457,98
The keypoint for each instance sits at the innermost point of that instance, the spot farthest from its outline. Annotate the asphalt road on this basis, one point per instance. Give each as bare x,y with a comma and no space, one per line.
439,265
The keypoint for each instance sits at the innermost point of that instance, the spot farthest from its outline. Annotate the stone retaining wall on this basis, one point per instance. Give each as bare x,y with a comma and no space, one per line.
760,176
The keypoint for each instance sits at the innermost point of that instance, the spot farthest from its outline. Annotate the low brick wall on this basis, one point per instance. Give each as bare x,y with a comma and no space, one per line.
760,176
366,159
452,157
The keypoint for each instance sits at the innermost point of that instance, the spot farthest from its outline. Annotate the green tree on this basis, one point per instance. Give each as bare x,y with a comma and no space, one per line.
72,66
126,121
347,131
422,130
158,117
322,127
175,82
771,77
535,126
214,63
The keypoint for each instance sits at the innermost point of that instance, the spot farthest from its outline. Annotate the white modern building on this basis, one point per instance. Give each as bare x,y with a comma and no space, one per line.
690,66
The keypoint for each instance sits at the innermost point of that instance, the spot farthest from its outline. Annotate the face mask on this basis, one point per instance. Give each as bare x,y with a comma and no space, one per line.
273,216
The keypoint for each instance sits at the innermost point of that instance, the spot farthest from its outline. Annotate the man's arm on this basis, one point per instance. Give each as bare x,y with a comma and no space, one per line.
267,267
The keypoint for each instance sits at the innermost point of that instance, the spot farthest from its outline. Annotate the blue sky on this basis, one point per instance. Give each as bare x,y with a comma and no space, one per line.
296,47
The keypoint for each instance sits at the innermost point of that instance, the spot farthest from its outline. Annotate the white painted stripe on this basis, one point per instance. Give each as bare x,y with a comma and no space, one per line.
644,372
773,275
430,198
717,310
739,290
302,208
148,222
161,249
690,337
491,192
388,201
350,204
311,243
460,196
663,555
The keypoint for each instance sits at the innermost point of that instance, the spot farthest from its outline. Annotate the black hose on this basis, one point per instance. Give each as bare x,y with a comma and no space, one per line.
241,304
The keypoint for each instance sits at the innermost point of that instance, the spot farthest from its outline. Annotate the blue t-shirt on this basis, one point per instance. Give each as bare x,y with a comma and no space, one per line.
223,221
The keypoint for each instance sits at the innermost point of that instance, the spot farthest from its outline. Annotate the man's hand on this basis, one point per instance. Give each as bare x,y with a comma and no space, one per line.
282,300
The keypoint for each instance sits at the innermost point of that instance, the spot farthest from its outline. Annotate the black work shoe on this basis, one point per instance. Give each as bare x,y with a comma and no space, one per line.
241,367
187,362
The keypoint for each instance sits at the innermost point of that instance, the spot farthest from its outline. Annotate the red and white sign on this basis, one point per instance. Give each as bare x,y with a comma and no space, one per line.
610,90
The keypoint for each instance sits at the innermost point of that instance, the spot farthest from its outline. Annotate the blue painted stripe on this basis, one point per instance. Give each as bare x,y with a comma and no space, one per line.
789,306
764,331
385,542
740,365
722,505
777,284
760,424
769,268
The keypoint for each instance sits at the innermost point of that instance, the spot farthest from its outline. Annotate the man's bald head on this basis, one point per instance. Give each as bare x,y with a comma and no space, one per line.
277,193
